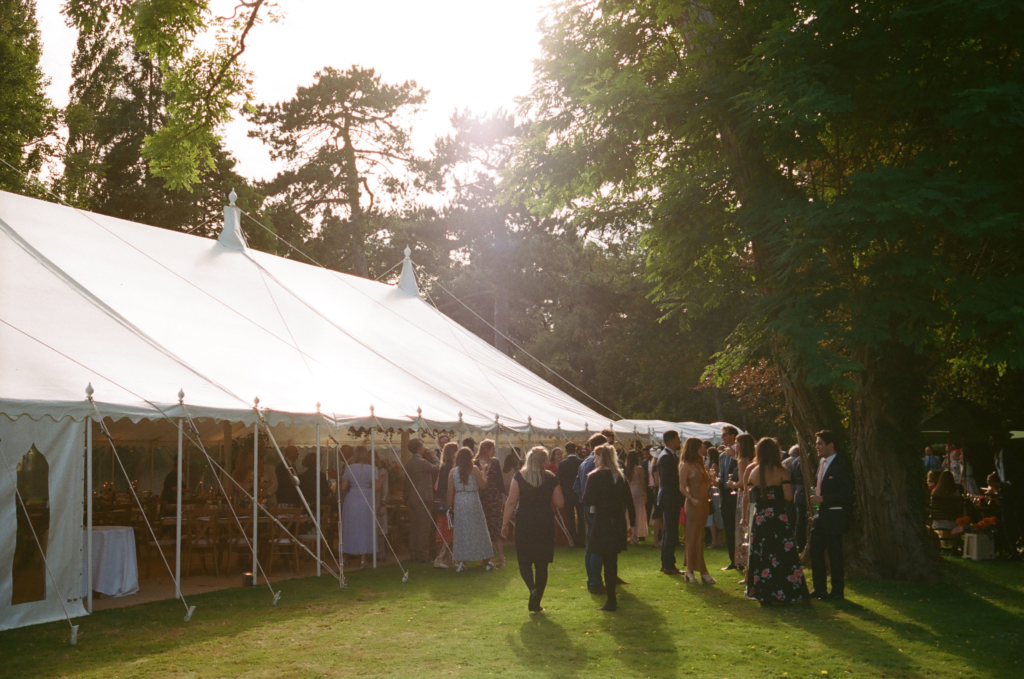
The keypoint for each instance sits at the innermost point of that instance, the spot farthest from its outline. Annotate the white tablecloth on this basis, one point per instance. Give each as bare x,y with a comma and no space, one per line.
115,571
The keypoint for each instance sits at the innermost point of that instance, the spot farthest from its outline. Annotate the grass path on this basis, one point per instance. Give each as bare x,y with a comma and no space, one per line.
476,624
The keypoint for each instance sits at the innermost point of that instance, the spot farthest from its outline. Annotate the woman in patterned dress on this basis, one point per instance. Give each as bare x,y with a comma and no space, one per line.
492,496
774,574
637,479
471,540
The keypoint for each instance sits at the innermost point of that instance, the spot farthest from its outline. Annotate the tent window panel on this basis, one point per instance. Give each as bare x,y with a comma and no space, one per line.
29,570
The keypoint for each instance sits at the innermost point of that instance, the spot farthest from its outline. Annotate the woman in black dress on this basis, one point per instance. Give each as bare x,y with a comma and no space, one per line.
608,493
774,574
537,494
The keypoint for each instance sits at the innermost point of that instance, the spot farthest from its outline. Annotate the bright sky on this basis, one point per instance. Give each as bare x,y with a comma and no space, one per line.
467,53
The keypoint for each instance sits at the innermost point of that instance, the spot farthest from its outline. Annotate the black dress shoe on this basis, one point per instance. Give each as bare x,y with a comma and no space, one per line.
730,567
834,597
818,595
671,571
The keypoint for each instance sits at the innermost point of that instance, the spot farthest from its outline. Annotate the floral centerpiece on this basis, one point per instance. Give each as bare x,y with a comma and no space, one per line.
986,526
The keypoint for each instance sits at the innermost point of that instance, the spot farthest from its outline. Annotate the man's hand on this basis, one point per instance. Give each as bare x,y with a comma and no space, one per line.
816,499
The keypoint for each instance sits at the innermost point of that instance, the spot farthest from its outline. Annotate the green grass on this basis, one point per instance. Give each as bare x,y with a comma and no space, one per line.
476,624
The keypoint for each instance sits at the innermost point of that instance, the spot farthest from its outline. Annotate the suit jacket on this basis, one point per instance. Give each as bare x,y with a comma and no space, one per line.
668,479
612,500
307,484
287,493
567,470
728,470
836,496
422,476
796,472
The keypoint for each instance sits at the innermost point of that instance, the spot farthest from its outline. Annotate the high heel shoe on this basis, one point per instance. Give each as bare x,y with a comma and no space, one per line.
707,579
690,577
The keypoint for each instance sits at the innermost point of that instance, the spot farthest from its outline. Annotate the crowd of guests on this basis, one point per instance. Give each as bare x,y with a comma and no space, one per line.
955,493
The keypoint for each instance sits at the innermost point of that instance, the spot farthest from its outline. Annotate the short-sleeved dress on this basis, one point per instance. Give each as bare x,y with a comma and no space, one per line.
535,520
490,498
357,515
471,542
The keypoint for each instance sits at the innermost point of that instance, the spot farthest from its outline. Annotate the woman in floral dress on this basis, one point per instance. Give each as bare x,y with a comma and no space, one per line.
471,541
774,574
493,496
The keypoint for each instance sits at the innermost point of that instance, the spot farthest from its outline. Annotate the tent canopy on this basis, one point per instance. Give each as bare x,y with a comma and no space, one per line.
142,312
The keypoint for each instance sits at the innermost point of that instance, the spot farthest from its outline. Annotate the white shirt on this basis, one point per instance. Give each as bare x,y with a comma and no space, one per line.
822,468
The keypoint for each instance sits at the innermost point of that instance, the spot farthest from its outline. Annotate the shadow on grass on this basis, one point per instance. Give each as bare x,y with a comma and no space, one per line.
542,645
644,637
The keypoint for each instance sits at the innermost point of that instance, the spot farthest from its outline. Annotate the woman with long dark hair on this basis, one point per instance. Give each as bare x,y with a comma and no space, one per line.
471,541
695,485
492,496
441,507
608,493
744,458
533,495
774,574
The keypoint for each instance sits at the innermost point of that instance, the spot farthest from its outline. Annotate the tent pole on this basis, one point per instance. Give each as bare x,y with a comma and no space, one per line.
319,516
373,486
177,521
255,494
88,508
337,462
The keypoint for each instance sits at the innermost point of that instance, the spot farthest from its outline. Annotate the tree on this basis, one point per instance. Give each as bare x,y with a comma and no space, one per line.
345,139
204,87
118,101
845,169
26,115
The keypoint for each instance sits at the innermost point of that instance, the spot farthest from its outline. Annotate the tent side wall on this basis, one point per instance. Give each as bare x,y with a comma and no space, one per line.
62,444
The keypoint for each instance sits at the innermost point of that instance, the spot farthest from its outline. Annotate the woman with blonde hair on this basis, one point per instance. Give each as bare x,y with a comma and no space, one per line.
608,493
533,495
492,496
695,485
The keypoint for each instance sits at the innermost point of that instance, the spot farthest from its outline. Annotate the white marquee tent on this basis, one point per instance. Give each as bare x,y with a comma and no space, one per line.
165,325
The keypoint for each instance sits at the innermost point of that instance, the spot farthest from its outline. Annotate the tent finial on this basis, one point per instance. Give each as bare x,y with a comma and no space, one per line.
89,391
408,280
231,235
419,413
371,410
232,197
181,396
256,401
318,406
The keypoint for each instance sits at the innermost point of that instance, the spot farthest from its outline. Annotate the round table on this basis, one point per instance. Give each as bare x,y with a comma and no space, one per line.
115,571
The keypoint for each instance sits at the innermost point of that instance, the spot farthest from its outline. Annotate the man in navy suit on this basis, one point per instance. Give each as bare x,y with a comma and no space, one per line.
669,500
833,493
728,479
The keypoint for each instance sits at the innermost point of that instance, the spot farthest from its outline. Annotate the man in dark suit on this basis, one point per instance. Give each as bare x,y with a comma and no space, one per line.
669,500
728,476
832,495
1007,462
287,480
566,474
422,468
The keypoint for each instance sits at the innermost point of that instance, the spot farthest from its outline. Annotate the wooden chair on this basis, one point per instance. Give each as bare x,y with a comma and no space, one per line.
283,540
238,540
201,527
945,509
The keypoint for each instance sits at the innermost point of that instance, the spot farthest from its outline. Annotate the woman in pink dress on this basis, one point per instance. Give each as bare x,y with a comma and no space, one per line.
637,480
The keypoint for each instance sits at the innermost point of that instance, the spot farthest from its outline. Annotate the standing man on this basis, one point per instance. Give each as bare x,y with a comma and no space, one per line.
422,468
1011,485
566,474
832,495
796,472
591,561
669,500
288,479
728,473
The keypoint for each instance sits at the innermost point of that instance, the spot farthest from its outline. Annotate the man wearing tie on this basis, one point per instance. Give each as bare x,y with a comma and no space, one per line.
832,494
728,478
669,500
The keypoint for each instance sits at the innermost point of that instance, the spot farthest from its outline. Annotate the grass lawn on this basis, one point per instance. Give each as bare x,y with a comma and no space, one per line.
476,624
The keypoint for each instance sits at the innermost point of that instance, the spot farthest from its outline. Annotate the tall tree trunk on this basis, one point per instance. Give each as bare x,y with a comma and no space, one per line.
889,539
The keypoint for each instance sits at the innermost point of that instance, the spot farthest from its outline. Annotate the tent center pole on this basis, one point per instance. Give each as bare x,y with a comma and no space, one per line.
177,519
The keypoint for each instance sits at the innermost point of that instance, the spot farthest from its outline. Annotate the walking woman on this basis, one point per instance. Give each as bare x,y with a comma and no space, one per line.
533,495
608,493
637,480
471,541
774,574
492,496
695,485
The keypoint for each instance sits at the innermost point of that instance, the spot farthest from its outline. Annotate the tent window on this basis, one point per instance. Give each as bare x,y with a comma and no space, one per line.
29,571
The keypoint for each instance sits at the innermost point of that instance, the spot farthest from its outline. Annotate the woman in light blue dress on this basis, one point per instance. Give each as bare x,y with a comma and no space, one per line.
471,540
357,514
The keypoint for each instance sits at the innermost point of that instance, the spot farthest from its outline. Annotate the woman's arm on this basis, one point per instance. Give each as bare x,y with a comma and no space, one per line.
510,506
684,481
787,484
481,478
451,487
557,499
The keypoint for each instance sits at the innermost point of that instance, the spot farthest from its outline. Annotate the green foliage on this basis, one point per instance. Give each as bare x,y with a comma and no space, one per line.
26,116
